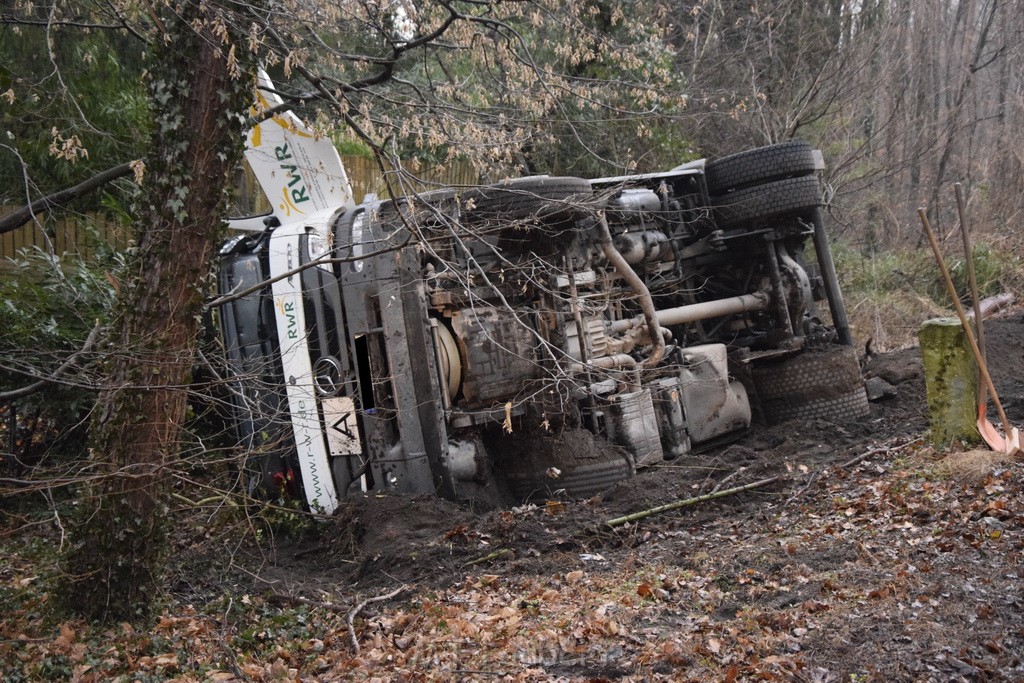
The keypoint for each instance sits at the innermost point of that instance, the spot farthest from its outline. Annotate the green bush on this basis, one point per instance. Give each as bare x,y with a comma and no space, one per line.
48,306
991,269
915,271
890,293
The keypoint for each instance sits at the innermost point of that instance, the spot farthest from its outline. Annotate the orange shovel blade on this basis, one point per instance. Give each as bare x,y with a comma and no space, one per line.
1010,444
990,434
1013,441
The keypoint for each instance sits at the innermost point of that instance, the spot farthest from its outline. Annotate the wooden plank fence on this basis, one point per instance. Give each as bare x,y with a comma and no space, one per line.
68,235
365,177
80,236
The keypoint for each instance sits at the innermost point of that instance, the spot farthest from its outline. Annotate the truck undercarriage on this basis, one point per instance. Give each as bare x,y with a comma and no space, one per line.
538,337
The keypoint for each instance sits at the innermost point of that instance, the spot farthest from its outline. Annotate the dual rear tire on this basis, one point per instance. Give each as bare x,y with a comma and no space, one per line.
762,185
813,385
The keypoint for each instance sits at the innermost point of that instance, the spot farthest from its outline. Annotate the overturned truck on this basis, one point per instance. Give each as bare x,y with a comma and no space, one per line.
536,337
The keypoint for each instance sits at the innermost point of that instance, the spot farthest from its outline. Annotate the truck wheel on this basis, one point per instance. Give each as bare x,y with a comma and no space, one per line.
578,482
544,197
762,203
823,385
760,165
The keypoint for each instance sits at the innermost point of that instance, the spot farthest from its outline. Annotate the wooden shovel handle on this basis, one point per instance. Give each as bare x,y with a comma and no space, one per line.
963,321
972,280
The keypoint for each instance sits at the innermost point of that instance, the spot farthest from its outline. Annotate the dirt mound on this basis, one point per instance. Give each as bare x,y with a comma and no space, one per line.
403,538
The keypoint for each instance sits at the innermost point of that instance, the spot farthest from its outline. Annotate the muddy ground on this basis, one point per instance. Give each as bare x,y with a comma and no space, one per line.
872,558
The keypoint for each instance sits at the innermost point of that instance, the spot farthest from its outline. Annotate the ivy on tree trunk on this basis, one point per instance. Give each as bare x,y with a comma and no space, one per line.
198,97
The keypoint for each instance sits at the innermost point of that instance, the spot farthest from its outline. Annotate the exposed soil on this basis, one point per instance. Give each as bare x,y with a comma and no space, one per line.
873,557
901,565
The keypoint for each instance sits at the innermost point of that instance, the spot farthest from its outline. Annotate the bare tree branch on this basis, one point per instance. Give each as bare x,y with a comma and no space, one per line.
15,220
90,341
8,20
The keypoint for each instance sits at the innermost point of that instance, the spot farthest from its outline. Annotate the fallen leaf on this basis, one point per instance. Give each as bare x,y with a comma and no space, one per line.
812,606
77,675
553,507
458,531
168,659
67,634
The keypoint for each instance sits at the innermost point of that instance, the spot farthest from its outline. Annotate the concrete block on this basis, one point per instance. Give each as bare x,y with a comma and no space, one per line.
951,381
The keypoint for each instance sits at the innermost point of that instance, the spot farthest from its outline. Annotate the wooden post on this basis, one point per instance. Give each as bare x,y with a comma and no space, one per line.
951,380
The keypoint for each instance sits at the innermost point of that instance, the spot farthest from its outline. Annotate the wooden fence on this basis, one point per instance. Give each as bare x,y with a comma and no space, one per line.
365,177
82,234
73,236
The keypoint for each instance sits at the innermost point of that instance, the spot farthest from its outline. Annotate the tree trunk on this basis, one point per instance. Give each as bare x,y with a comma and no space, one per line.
113,568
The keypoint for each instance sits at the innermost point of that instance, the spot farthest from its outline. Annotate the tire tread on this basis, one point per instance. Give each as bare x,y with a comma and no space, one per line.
762,203
584,481
760,165
813,385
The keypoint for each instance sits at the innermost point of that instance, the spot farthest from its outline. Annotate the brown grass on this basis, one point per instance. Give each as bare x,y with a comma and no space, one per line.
973,465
